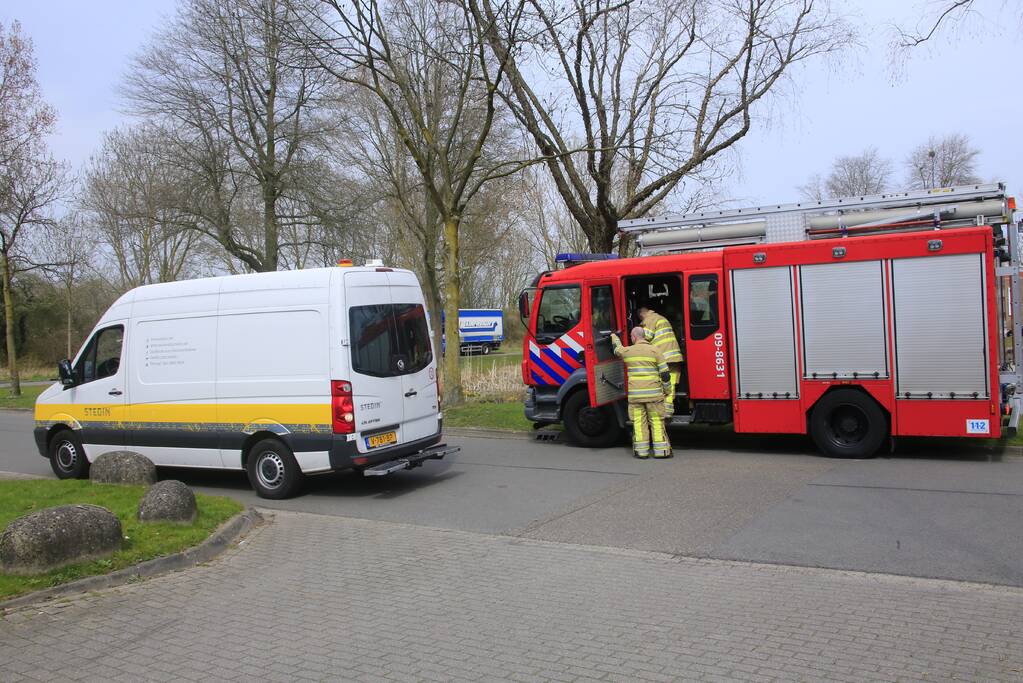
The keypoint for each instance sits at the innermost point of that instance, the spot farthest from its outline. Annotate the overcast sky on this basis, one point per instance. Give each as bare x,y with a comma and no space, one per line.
965,82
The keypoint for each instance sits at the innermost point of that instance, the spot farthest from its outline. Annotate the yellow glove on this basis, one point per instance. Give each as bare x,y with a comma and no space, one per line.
615,340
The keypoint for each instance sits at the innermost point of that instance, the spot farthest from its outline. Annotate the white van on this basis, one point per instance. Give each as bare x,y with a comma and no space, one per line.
280,374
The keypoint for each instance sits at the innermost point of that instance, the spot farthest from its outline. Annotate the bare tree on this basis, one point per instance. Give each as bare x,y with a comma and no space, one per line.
655,91
374,146
548,227
29,179
860,174
69,247
239,88
943,162
132,196
427,66
944,13
29,188
24,117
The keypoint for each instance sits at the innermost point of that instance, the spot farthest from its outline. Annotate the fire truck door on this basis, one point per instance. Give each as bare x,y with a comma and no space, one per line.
605,374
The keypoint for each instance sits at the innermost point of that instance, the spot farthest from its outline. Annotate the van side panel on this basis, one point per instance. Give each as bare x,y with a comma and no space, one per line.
273,366
173,402
170,374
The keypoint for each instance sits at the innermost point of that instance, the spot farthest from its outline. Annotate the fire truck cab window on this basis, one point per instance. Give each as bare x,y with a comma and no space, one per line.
660,293
559,310
602,312
703,306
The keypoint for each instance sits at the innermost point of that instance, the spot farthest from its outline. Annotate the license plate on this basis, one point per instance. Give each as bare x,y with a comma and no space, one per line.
378,440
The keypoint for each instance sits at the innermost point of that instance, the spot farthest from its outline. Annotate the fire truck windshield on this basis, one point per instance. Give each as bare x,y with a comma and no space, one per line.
558,311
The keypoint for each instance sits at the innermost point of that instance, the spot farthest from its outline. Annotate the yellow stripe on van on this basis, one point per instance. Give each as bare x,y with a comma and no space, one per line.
194,413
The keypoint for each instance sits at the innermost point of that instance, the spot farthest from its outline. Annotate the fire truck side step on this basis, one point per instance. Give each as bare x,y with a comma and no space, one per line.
409,462
550,435
679,420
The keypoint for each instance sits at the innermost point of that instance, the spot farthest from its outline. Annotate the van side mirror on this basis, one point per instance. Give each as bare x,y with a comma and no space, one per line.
66,373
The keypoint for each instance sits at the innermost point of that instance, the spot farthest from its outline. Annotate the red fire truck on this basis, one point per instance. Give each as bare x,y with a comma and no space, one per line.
853,320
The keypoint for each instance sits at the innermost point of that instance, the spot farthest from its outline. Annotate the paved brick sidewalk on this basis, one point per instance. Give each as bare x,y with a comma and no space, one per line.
312,597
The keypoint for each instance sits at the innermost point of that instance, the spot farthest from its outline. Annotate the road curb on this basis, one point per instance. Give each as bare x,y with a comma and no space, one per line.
7,476
229,533
487,433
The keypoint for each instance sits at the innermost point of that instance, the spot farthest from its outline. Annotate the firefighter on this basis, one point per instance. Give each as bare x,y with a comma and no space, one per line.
660,334
647,391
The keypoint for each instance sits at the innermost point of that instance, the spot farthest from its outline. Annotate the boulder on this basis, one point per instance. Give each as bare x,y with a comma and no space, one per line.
122,467
168,501
59,536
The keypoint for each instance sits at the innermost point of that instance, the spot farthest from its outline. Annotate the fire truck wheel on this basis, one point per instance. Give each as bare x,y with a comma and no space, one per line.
589,426
848,424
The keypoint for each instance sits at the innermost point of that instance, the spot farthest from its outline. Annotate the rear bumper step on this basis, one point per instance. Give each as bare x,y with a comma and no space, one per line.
410,461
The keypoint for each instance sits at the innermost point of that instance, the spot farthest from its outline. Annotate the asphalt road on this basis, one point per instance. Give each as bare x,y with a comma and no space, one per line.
931,511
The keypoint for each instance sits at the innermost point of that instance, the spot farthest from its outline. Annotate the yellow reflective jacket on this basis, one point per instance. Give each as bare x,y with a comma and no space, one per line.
647,371
663,337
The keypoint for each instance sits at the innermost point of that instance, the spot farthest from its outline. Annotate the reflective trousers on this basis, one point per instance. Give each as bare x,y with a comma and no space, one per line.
648,429
674,374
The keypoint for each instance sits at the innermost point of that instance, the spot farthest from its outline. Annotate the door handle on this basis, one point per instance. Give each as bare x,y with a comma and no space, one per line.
410,393
115,392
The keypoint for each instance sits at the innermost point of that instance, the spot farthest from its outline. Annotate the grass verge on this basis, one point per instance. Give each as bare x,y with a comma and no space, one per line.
488,415
26,401
507,356
30,372
141,541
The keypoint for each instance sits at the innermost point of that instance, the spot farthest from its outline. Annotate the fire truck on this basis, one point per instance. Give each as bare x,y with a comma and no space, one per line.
854,320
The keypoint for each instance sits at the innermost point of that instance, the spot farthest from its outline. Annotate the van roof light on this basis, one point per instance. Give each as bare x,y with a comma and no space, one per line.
345,262
374,263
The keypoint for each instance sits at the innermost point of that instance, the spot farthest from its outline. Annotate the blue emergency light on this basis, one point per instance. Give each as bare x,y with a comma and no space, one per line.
573,259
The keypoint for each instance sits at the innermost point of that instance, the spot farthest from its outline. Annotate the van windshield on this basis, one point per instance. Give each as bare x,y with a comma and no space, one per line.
389,340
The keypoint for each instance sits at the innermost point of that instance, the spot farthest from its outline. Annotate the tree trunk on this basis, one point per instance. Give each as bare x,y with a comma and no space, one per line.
433,302
270,236
601,236
452,286
12,357
68,291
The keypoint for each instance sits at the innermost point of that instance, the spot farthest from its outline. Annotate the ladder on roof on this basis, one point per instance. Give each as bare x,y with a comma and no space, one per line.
942,208
946,207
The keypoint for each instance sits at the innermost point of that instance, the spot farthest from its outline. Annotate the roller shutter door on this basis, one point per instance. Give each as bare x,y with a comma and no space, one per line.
940,327
764,333
843,318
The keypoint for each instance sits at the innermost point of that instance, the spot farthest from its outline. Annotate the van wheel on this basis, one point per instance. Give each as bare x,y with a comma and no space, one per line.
273,471
67,457
848,424
589,426
486,350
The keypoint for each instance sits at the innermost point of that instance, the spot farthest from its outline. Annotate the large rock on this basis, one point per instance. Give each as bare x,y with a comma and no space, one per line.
122,467
59,536
168,501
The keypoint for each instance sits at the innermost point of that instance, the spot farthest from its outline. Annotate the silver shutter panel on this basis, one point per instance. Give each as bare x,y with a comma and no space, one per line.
940,326
764,333
842,311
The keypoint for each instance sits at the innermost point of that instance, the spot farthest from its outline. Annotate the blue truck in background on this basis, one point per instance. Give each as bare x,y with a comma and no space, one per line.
480,330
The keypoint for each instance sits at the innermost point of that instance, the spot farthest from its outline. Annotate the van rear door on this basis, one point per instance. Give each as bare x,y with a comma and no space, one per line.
376,361
419,377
